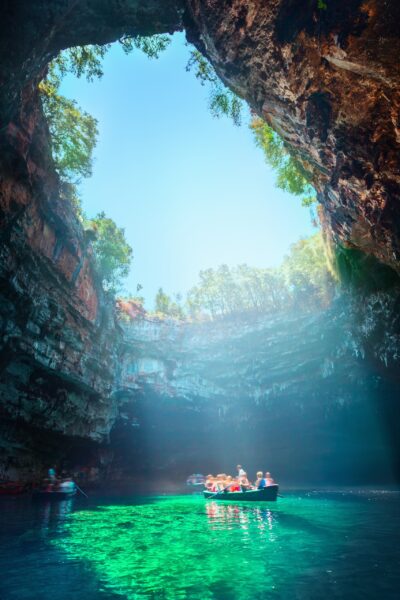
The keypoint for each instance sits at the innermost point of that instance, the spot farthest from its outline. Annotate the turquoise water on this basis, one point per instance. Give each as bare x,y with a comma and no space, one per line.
306,546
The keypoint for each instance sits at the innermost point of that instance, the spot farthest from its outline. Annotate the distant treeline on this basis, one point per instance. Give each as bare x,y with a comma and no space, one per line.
302,281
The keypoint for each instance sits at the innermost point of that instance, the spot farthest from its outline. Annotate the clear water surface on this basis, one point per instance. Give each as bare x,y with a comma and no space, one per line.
305,546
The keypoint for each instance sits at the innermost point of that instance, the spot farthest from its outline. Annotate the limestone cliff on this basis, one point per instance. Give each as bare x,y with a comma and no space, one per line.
328,81
295,388
58,337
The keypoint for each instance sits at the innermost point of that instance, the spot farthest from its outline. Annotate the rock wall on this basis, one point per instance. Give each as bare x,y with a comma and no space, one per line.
58,336
292,390
328,81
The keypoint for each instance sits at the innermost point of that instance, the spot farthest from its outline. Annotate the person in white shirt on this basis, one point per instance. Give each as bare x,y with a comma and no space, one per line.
67,485
241,472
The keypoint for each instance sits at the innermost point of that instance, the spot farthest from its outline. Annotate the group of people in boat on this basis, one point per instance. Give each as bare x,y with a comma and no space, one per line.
240,483
53,483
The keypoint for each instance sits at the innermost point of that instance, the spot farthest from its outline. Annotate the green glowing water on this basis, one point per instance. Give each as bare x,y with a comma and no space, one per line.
185,548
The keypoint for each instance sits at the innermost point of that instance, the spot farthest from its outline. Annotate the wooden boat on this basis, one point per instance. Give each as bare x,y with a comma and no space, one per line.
12,488
267,494
52,495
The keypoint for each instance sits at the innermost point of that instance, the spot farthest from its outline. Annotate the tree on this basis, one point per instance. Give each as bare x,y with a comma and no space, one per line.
307,272
222,101
292,177
73,135
165,306
162,302
303,280
112,253
73,131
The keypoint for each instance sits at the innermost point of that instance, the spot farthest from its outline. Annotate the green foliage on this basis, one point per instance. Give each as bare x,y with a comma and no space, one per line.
291,175
307,272
167,307
151,46
81,61
303,280
226,291
222,101
362,272
322,5
73,131
73,135
112,253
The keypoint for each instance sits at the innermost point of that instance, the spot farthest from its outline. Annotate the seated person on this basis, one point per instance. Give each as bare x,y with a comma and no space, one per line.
229,482
245,483
220,483
67,485
216,484
268,479
235,487
214,487
260,482
209,482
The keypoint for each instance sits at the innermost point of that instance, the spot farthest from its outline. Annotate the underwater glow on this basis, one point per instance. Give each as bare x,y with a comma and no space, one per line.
184,547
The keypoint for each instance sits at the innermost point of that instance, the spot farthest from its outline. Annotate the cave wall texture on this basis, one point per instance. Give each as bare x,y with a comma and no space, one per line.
326,80
290,391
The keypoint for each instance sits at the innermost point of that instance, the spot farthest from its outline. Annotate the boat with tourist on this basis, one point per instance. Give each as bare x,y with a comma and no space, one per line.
226,487
56,489
12,488
43,494
55,494
266,494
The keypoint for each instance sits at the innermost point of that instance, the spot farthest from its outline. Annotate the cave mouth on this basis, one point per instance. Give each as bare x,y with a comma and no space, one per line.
214,200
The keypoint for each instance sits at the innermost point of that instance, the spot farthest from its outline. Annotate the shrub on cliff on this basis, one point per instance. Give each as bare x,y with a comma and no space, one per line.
307,272
73,131
292,177
112,253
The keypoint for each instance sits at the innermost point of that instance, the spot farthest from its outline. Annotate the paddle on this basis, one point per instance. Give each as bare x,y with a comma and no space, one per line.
81,491
221,491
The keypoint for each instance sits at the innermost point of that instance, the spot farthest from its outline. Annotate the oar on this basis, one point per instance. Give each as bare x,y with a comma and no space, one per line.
81,491
223,490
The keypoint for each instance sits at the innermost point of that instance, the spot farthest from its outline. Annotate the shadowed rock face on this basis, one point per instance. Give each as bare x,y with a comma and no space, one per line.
327,80
291,390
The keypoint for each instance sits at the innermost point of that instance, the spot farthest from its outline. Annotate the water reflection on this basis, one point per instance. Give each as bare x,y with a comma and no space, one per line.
230,516
185,548
52,514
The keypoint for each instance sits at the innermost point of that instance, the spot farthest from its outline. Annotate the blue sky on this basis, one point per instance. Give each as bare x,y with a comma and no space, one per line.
191,191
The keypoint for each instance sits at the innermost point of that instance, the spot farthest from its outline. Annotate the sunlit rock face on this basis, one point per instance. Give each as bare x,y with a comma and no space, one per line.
58,337
328,81
293,392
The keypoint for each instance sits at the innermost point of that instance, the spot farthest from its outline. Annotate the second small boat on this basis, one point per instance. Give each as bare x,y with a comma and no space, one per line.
53,495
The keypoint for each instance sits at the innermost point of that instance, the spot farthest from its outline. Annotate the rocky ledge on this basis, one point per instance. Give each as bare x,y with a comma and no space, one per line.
298,388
